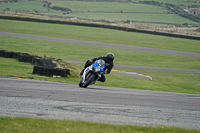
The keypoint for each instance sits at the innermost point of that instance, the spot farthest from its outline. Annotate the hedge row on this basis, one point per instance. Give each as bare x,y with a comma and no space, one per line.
42,66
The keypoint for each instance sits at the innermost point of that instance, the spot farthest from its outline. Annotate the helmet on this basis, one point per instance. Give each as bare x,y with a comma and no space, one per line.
110,56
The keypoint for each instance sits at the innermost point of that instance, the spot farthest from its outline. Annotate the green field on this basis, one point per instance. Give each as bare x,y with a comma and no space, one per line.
30,5
24,125
78,6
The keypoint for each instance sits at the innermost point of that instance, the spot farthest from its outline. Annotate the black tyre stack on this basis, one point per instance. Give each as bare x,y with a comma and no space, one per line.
46,67
45,71
15,55
24,57
2,53
8,54
42,66
49,72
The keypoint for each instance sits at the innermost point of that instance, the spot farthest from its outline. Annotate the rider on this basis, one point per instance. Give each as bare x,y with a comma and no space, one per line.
108,65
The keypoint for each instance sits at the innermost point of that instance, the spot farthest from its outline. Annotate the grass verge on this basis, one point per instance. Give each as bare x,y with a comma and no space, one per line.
84,52
24,125
100,35
162,81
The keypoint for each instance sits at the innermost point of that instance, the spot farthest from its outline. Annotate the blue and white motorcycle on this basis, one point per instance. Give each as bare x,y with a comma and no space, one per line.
92,73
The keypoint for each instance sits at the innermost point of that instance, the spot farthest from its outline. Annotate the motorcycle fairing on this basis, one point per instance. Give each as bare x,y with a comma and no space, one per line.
99,66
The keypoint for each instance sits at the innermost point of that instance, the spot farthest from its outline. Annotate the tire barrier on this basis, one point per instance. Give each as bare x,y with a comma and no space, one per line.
15,55
7,54
2,52
44,71
42,66
37,61
24,57
41,61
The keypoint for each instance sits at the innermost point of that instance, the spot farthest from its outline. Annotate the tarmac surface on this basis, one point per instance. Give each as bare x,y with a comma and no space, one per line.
54,100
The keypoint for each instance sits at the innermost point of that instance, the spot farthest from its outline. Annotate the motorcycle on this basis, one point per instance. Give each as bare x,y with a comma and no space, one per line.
92,73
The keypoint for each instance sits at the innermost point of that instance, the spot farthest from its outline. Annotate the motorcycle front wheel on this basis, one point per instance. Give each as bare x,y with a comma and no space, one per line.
80,84
89,80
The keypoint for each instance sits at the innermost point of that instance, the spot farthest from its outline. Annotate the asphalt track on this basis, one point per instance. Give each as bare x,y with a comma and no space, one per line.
53,100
